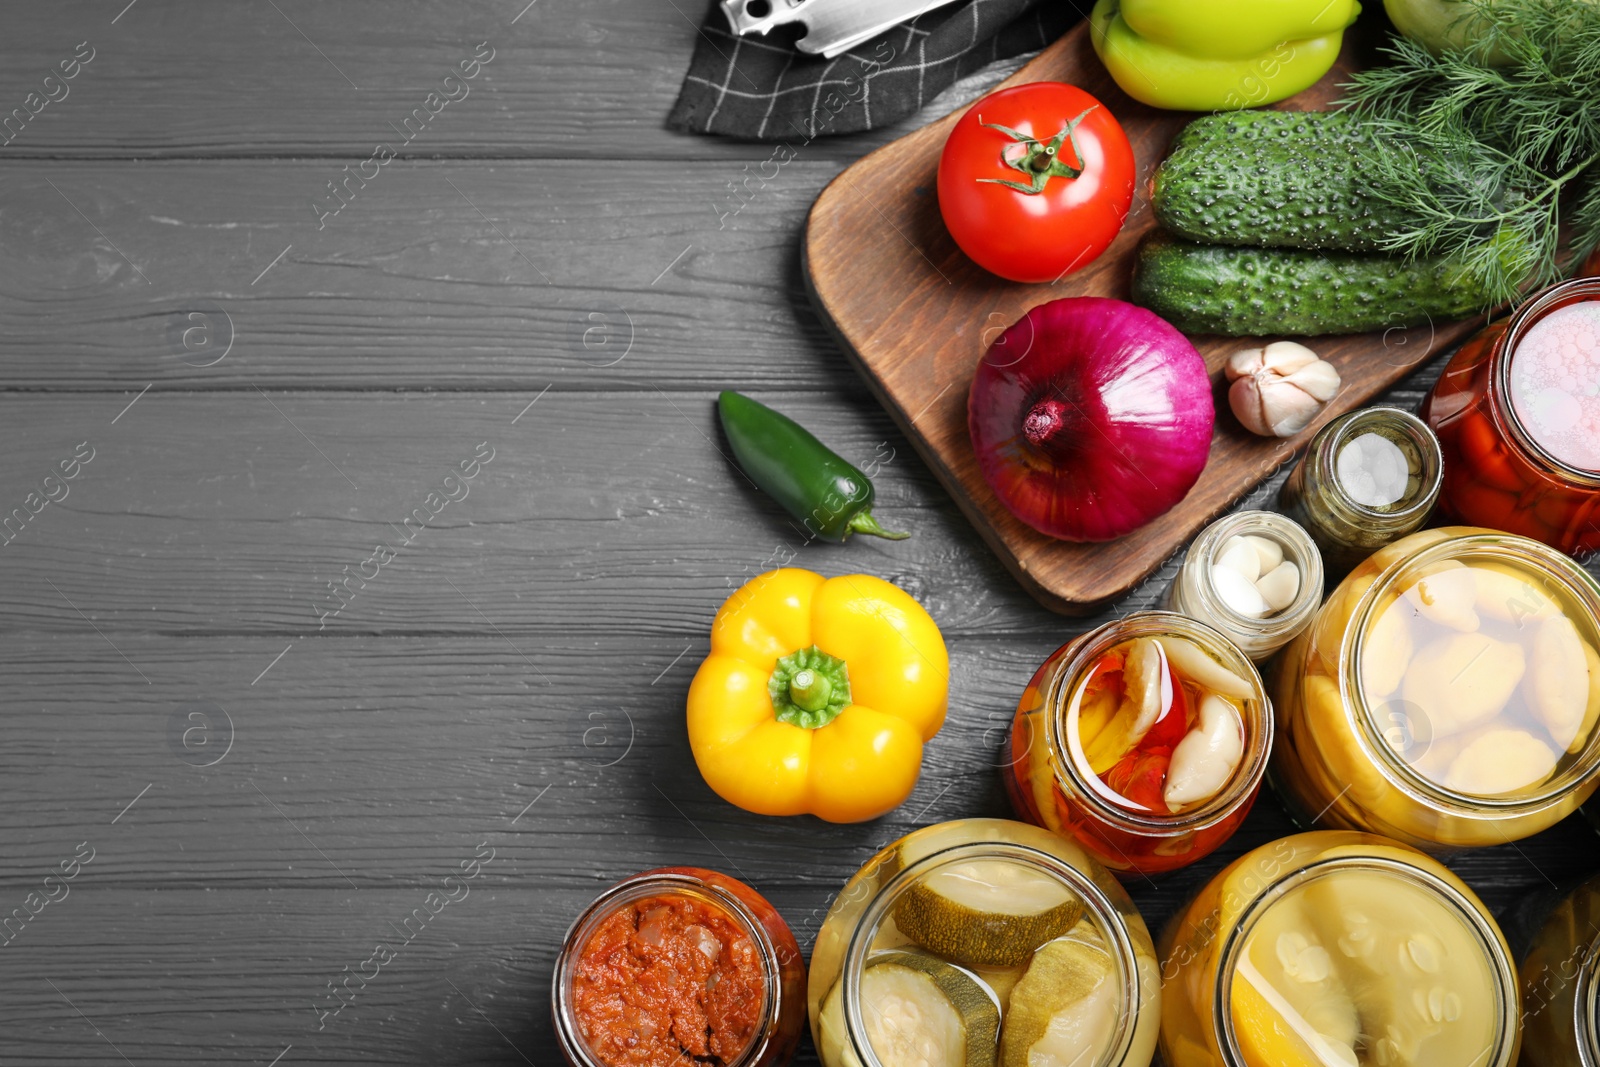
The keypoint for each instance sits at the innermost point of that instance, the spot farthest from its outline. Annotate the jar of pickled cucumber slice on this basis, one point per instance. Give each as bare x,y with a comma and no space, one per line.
1447,695
983,943
1337,949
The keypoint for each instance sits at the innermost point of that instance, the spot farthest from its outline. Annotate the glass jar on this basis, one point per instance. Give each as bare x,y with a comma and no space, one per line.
1447,693
1502,465
1368,478
1279,547
1336,949
988,931
1152,799
675,951
1560,1006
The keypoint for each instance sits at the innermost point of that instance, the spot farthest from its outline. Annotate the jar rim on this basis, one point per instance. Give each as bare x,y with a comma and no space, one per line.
1284,530
1525,318
676,881
1476,921
1246,777
1586,1006
1559,568
1110,922
1331,436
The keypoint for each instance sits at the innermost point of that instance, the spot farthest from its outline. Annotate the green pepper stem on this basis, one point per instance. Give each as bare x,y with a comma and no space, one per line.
809,688
863,522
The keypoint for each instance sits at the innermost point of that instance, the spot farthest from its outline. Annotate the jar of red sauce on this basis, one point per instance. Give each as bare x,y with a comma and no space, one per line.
1517,413
679,965
1145,740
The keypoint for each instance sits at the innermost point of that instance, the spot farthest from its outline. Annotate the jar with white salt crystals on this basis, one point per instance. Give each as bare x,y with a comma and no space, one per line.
1254,575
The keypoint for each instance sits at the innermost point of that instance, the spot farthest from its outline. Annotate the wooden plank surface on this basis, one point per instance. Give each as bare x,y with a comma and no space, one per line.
592,80
917,316
436,275
484,687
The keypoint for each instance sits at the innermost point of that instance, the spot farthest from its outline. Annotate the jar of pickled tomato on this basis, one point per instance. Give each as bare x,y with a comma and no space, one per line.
1517,413
676,966
1447,694
983,943
1336,949
1145,740
1560,961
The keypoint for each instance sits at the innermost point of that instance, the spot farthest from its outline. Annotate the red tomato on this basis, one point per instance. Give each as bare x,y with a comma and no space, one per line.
987,175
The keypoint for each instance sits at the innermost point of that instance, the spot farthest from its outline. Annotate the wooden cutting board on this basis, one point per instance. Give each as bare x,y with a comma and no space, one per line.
915,315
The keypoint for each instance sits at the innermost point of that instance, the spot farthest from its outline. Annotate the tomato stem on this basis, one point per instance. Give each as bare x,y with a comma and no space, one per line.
1039,160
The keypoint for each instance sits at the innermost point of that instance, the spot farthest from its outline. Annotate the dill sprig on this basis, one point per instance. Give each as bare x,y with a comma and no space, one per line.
1491,148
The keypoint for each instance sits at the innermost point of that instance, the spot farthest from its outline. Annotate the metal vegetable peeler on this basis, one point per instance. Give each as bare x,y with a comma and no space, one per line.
832,26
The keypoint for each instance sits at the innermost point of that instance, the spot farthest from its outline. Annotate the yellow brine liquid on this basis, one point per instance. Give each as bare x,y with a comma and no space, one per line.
1448,694
1483,675
1336,949
1362,967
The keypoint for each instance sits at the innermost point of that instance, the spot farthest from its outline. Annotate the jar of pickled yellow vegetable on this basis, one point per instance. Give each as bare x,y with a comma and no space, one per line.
1447,694
1144,740
983,943
1336,949
1559,968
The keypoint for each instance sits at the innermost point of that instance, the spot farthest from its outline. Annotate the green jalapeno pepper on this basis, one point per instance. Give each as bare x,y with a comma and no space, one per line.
812,482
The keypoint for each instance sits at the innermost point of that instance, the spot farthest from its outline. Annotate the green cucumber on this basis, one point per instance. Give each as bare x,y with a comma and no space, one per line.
1280,179
1262,292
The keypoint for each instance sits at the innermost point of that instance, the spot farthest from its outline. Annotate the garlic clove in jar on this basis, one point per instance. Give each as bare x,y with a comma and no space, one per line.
1268,552
1241,556
1238,592
1206,758
1279,586
1279,389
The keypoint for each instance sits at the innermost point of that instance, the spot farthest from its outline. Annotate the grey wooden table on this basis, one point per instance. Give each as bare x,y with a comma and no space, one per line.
267,776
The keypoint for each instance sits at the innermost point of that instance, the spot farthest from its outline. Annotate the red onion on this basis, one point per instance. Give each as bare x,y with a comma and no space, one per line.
1090,417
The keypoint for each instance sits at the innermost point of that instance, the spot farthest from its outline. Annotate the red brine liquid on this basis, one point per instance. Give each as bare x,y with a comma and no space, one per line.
1517,414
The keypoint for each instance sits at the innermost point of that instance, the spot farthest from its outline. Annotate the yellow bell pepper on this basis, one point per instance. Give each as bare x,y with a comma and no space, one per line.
1218,55
817,696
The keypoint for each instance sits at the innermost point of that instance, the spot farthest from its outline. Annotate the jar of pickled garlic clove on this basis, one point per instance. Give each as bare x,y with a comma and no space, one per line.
1254,575
1517,413
1558,972
679,966
983,943
1336,949
1144,740
1447,694
1367,479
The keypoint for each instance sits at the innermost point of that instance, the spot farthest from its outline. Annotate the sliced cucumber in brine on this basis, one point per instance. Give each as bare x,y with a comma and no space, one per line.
986,912
1063,1012
918,1011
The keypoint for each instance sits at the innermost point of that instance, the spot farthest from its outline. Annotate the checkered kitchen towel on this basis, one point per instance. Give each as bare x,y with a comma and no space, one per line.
763,89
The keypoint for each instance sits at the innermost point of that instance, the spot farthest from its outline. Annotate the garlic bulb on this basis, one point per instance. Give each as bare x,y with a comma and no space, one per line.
1279,389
